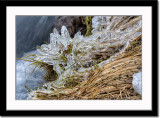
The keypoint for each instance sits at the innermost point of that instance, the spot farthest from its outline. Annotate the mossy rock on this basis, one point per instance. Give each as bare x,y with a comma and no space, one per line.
88,22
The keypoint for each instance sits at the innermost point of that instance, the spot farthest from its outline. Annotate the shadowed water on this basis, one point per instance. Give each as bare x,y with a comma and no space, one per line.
30,32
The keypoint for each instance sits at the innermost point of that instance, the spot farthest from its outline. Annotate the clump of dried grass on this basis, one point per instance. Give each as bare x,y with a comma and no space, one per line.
112,82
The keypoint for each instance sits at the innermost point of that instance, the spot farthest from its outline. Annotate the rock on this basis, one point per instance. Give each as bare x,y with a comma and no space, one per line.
72,23
137,82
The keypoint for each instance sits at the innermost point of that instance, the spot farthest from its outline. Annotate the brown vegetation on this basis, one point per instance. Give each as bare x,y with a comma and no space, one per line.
113,81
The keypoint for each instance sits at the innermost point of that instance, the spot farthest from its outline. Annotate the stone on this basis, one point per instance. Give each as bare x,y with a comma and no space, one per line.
73,24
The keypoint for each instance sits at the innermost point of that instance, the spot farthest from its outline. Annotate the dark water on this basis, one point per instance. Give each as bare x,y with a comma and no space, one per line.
30,32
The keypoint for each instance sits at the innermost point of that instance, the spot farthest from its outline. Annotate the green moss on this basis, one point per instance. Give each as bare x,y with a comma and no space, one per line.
88,23
50,73
69,49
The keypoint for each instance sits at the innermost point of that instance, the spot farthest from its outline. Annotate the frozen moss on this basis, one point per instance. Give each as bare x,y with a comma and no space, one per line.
88,22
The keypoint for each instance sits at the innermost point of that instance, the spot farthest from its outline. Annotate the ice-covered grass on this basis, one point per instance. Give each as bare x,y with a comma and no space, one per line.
72,59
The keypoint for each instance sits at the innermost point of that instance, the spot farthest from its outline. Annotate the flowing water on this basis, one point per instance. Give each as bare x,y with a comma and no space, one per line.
30,32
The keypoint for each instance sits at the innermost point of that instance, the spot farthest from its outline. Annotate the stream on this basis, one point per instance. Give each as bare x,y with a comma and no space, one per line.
30,32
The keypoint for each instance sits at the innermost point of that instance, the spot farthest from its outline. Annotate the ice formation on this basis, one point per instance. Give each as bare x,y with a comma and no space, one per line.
111,35
137,82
